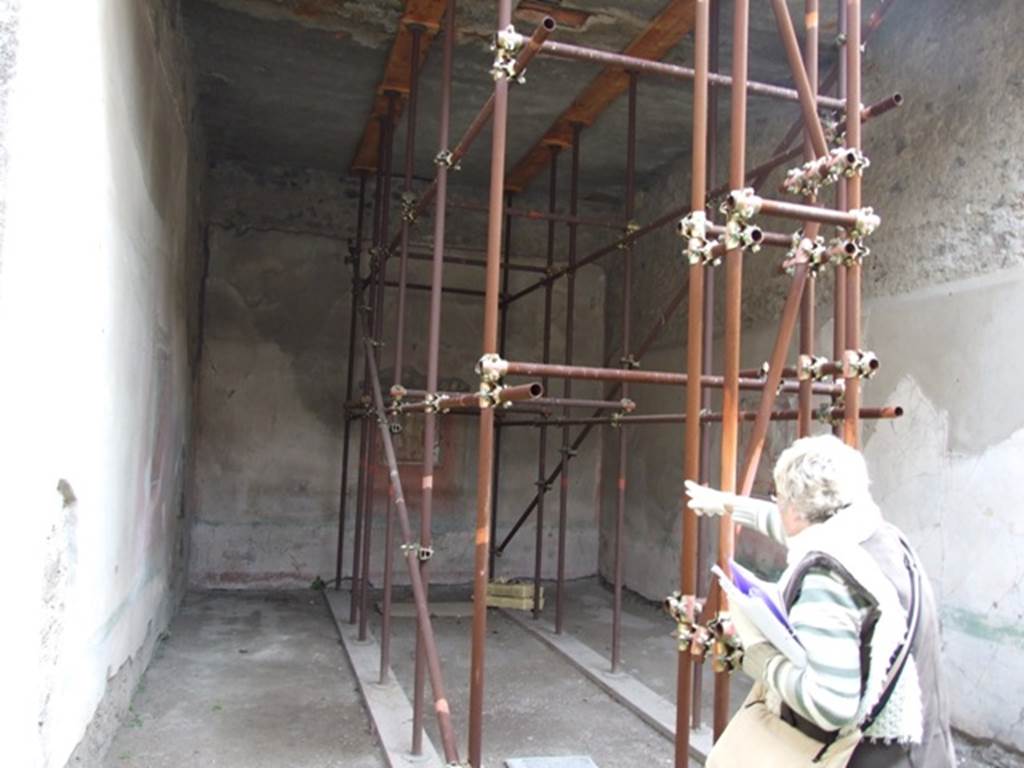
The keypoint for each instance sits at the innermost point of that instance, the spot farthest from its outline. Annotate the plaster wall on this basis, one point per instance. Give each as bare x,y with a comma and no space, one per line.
102,191
943,292
272,381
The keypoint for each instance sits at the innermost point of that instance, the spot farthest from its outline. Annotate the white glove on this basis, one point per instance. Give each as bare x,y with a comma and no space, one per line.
746,511
708,501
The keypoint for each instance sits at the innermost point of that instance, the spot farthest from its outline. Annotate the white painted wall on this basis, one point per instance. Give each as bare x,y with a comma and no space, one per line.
95,391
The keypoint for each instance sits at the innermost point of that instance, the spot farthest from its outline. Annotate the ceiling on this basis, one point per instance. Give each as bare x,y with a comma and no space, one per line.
292,82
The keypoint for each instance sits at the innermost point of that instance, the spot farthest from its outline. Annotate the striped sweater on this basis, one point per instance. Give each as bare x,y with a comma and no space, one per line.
827,619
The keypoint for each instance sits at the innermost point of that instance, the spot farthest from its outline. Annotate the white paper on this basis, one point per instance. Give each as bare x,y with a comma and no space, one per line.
773,624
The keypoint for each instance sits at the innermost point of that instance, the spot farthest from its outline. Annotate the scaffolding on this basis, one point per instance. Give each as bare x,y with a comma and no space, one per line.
832,156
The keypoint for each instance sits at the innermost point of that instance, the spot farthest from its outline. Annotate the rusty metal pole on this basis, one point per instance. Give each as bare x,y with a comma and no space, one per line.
489,346
839,288
733,322
566,450
807,307
851,426
387,131
502,345
433,352
441,706
354,257
529,50
542,447
801,274
627,362
695,364
410,165
707,361
409,160
369,291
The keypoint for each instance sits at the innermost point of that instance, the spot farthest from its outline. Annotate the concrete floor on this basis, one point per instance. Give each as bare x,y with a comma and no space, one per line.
536,704
648,649
248,680
257,680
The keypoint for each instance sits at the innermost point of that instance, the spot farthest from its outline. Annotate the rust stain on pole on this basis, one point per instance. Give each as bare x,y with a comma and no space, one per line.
355,254
542,447
570,310
807,307
627,357
694,366
433,351
489,345
851,427
733,320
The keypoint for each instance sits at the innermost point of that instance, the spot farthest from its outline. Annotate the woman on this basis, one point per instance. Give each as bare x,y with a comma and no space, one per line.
848,588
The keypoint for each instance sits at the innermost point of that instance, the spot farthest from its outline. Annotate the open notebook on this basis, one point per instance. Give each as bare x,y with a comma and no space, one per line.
761,602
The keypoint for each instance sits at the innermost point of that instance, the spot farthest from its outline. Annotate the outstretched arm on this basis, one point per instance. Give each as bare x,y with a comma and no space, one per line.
756,514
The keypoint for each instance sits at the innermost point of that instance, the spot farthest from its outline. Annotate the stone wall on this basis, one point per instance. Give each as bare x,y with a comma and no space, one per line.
272,384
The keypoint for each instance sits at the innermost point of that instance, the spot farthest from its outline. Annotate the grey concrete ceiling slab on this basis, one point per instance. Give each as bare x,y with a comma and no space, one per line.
291,82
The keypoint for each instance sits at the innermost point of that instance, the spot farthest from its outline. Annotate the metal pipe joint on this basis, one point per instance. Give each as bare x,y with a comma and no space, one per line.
814,253
409,207
812,368
860,364
506,45
683,610
809,178
491,368
446,158
699,248
727,650
421,552
740,207
631,228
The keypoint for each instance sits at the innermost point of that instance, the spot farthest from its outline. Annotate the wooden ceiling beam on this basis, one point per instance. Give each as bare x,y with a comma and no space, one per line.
666,29
427,14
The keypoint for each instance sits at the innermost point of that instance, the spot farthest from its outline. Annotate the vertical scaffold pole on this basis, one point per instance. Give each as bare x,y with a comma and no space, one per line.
489,346
694,366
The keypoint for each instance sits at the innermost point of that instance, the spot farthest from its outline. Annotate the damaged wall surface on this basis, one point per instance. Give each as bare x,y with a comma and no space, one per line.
272,385
943,288
96,320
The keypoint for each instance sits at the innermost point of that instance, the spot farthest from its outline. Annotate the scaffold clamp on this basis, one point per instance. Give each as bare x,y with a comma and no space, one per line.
506,44
699,249
631,228
867,222
859,364
846,251
728,651
740,207
491,368
409,207
682,609
814,253
811,367
447,159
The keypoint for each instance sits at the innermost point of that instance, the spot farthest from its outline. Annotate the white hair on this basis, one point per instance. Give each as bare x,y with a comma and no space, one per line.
819,476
